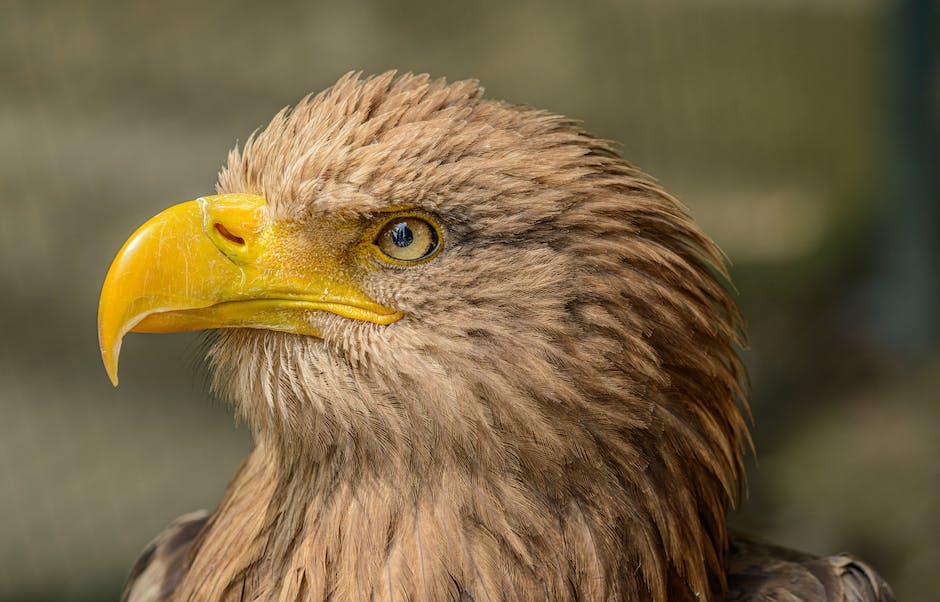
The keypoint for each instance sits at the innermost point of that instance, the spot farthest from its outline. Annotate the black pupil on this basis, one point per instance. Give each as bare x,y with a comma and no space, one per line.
402,235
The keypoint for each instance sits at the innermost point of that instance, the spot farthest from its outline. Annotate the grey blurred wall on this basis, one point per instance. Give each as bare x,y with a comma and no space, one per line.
779,123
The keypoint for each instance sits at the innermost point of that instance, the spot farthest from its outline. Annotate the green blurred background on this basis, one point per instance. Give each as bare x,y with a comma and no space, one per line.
801,133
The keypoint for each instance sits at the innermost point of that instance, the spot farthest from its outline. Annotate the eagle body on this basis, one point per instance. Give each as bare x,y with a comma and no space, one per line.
517,378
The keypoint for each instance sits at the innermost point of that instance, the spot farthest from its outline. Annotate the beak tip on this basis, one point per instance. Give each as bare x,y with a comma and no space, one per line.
109,357
114,378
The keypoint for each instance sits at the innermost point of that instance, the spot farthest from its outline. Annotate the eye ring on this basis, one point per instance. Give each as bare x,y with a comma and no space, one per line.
408,240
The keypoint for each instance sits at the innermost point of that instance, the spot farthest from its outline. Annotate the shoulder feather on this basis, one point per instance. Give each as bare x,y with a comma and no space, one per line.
760,571
163,562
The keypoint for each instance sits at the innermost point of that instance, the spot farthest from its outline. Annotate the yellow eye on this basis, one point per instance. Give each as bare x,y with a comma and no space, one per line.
408,239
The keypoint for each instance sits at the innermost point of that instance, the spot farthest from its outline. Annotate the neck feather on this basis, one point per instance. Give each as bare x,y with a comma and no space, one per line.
291,532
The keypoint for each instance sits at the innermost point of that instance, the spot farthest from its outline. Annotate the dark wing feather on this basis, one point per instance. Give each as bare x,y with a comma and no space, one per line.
759,571
163,562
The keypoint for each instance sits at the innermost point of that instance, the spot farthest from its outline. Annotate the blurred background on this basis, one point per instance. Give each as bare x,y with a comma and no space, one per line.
801,134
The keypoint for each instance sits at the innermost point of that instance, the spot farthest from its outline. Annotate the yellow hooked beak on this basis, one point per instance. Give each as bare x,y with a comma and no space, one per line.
217,262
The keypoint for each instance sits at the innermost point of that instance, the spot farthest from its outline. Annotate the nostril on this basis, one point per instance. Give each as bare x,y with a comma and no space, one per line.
238,240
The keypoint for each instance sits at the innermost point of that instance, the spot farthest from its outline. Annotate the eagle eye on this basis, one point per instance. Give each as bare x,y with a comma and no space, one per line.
408,240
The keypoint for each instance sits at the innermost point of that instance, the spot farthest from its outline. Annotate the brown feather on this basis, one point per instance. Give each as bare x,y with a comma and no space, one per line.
760,571
559,416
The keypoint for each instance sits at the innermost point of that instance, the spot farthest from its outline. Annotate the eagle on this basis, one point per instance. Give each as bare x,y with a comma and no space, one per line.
482,358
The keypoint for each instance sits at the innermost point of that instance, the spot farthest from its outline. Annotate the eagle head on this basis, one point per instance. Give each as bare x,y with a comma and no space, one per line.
472,314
